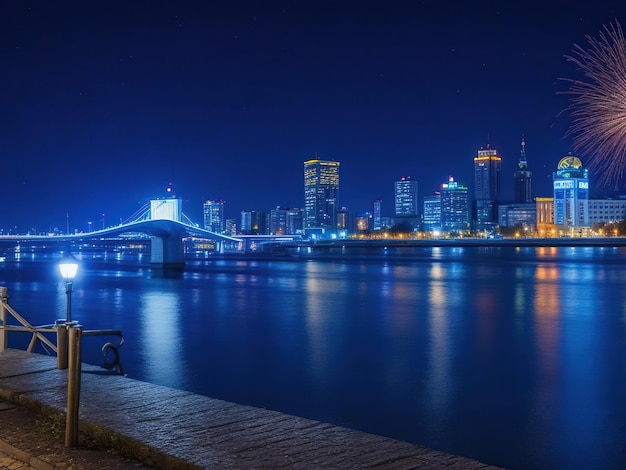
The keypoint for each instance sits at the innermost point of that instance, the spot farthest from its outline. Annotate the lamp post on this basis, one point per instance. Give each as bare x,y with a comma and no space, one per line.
68,269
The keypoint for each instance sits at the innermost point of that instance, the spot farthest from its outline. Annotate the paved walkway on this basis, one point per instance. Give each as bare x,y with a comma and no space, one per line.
170,428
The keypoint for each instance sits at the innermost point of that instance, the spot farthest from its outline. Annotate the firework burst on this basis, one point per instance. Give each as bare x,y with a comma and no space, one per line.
598,104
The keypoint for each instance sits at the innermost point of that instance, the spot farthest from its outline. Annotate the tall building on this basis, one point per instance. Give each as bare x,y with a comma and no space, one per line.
571,193
214,216
432,212
522,179
285,221
545,216
346,220
455,208
294,221
405,192
278,221
487,165
321,191
254,223
377,216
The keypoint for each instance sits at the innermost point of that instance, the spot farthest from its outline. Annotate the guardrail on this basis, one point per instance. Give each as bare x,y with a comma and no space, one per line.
60,329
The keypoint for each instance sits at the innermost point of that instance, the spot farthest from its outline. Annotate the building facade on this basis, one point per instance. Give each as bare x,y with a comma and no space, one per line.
522,179
570,183
432,212
213,215
603,211
377,214
487,167
254,223
455,207
405,194
524,215
321,191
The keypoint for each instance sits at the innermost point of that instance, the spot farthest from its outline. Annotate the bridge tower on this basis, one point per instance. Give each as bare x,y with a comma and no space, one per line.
167,249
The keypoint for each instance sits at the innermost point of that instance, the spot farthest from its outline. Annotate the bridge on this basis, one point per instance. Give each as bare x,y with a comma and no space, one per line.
166,225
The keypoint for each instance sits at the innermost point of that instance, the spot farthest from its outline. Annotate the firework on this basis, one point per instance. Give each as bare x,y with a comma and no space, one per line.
598,104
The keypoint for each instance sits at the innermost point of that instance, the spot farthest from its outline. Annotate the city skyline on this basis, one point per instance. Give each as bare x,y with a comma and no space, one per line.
103,105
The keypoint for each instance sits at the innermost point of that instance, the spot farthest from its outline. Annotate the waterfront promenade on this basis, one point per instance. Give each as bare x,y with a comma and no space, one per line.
169,428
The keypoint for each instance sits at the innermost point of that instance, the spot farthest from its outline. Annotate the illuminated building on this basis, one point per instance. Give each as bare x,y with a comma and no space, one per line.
603,211
231,227
377,214
487,165
432,212
571,193
346,220
455,214
522,179
510,215
361,224
254,223
278,221
214,220
545,216
294,221
285,221
321,190
405,192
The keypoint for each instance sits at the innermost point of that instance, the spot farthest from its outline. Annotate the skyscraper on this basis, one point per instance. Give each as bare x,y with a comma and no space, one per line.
321,190
214,216
522,179
405,192
432,212
487,167
455,214
571,193
377,215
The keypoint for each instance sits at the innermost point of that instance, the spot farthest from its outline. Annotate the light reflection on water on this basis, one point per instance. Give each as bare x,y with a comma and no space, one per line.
516,357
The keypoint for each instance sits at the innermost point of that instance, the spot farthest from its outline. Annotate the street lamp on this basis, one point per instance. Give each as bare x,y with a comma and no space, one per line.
68,268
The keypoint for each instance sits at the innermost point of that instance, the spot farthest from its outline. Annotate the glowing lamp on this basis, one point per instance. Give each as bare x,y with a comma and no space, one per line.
68,268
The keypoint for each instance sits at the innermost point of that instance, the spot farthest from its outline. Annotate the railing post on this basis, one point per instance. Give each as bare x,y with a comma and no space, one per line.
61,344
3,318
73,384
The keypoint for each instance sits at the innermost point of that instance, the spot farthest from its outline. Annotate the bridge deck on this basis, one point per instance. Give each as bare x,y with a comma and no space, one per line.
171,428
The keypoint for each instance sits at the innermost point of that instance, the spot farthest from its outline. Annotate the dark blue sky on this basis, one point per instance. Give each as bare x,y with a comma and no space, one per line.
104,103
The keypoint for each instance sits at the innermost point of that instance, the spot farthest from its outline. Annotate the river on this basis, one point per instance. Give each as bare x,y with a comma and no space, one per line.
512,356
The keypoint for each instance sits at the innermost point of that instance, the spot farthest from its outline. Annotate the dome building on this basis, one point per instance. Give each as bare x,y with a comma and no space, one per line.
571,193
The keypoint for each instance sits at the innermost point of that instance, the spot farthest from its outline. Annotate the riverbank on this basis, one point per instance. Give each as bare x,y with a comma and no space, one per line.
169,428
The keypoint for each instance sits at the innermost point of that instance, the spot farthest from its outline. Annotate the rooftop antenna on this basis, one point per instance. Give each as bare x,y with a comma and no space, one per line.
522,155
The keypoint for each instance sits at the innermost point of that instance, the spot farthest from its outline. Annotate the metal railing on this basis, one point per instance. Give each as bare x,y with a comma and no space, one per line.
60,329
69,351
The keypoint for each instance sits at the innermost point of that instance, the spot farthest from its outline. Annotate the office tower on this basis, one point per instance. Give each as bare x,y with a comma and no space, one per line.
231,227
321,190
522,179
254,223
432,212
214,216
545,216
455,213
294,221
246,222
346,220
278,221
487,165
377,216
405,192
571,193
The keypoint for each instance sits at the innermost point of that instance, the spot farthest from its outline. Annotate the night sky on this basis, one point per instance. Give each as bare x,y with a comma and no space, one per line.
103,103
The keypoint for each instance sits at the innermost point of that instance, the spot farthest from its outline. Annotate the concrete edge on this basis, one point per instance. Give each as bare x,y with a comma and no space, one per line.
124,445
